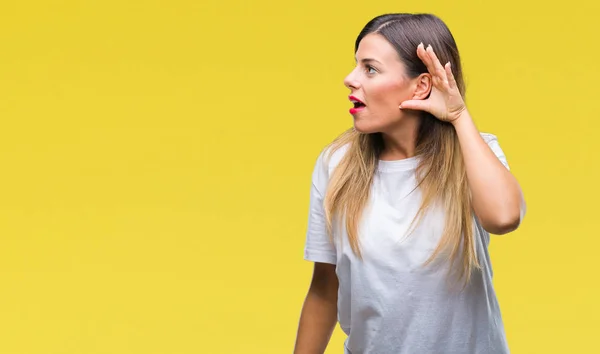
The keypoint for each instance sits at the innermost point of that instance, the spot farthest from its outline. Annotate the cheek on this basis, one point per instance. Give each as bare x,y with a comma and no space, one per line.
391,93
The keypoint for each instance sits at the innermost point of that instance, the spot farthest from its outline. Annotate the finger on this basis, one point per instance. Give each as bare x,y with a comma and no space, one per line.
439,69
419,105
434,59
424,56
451,80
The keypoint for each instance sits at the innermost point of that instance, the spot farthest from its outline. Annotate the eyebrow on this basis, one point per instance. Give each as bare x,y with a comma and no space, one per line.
368,60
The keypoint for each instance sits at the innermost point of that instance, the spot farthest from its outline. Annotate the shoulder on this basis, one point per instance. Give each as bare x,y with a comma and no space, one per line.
492,142
331,156
328,159
489,137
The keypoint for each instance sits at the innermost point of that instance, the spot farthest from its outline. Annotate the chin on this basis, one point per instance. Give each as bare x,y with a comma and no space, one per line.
362,129
366,128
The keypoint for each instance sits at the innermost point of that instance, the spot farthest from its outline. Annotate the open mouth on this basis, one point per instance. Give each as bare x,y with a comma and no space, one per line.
358,104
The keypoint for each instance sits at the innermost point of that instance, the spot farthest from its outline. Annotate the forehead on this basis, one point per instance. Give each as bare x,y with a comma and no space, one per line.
375,46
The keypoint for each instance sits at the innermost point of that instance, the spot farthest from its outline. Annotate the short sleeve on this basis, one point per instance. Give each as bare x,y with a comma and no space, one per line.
492,142
318,247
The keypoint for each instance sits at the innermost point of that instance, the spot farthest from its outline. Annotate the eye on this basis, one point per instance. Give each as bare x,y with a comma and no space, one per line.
371,70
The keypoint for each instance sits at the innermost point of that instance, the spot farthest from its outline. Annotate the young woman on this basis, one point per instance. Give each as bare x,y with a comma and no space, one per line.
402,206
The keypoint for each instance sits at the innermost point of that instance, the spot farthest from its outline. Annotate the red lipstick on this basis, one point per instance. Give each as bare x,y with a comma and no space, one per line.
358,105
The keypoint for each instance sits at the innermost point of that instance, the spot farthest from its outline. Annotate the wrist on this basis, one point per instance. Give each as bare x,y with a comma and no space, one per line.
462,117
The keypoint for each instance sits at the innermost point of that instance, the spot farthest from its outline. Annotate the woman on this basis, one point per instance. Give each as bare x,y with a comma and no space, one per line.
402,206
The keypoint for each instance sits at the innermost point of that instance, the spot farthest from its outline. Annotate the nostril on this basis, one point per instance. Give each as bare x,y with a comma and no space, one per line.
350,84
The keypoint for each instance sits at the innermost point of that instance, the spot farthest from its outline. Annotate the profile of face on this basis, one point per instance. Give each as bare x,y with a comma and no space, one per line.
379,81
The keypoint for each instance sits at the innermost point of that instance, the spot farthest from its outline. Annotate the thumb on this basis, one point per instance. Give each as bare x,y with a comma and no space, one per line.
420,105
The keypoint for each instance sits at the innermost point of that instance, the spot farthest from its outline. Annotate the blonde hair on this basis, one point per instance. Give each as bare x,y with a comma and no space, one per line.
441,174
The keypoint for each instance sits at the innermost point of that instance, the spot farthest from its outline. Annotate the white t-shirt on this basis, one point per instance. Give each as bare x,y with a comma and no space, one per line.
388,303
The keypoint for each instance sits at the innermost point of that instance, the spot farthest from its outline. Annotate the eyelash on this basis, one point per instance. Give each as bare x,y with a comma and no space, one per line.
369,67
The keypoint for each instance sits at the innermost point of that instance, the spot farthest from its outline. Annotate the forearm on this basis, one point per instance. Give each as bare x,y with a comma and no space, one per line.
317,322
496,195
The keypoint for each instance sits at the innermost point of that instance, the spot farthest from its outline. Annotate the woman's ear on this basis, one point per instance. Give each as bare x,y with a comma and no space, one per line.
423,86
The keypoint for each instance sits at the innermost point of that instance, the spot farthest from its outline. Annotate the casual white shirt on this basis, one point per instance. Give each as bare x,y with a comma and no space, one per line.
388,303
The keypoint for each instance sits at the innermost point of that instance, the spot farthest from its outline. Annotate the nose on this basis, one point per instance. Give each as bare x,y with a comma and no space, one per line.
350,82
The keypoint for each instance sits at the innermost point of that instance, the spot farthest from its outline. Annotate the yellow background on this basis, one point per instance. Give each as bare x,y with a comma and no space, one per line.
156,160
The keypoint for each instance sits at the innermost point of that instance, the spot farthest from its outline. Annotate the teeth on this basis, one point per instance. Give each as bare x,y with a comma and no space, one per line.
357,103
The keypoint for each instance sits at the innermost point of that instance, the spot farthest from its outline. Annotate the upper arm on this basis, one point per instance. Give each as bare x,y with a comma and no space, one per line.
318,246
492,142
324,280
494,145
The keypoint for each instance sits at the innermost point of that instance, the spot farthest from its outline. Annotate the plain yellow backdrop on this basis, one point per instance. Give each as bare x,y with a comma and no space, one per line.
156,160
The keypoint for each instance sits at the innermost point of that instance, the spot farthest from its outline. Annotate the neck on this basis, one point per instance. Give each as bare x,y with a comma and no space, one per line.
400,142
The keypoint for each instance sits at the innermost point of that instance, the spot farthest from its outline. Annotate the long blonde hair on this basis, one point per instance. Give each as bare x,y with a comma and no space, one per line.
441,174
